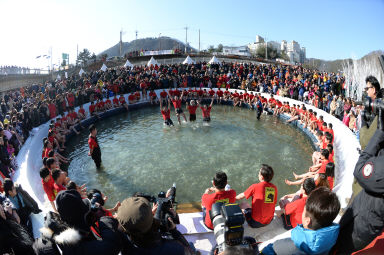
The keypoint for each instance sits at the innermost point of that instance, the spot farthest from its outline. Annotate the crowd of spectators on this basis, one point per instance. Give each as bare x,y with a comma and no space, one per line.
79,224
6,70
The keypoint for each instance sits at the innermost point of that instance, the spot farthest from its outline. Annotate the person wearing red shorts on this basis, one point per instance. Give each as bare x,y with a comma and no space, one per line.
264,198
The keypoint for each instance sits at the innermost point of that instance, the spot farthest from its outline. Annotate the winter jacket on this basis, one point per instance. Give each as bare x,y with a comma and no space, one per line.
305,241
59,238
363,220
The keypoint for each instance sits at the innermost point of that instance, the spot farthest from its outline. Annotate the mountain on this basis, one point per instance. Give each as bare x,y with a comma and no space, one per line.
166,43
338,64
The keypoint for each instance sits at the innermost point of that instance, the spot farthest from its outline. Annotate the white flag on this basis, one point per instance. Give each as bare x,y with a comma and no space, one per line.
66,75
58,78
81,72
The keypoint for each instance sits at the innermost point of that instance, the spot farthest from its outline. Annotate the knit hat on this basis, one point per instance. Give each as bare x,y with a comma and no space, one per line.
135,214
73,209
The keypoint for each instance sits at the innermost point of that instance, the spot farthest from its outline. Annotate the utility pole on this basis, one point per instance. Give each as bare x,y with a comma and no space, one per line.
77,54
160,41
266,48
121,42
199,40
186,39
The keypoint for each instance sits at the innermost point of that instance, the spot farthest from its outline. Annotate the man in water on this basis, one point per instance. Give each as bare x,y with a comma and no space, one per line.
94,148
176,101
191,107
166,112
206,110
259,108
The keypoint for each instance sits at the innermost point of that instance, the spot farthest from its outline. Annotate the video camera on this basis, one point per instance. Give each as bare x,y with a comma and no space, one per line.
164,204
228,220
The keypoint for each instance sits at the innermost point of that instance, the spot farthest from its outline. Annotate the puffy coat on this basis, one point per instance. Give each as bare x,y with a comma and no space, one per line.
59,238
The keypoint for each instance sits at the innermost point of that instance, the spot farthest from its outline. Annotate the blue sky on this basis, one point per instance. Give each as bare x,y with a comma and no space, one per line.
328,29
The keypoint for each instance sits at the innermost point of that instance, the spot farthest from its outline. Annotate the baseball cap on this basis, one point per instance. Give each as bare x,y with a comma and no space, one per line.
135,214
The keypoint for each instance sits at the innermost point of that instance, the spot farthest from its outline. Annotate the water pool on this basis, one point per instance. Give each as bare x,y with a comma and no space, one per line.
140,154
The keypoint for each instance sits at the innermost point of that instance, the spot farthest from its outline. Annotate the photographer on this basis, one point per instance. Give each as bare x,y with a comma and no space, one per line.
74,230
24,204
359,226
143,235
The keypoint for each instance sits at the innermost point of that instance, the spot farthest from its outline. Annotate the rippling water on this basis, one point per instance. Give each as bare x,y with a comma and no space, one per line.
140,154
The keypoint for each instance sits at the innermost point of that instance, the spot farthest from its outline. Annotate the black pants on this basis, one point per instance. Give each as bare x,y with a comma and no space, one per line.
259,112
96,156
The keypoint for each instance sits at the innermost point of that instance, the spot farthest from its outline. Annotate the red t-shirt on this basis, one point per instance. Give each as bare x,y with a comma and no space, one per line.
131,97
166,114
192,109
52,110
108,101
264,198
323,166
295,210
122,99
176,103
45,153
152,94
207,200
92,143
49,189
59,187
163,94
115,101
331,181
219,93
206,112
211,92
82,111
92,108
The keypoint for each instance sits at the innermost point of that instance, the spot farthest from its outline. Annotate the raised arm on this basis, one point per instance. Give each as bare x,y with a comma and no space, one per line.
211,102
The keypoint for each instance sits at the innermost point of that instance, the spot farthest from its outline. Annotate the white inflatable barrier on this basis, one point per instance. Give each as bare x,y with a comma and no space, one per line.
346,156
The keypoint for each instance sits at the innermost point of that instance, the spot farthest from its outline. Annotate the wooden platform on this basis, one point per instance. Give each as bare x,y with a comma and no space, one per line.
189,207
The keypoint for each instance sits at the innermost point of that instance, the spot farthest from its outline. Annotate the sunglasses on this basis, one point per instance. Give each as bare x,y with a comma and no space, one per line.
366,88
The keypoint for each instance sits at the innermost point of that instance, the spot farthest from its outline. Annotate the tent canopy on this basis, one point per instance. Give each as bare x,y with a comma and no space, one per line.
128,64
214,60
152,61
103,68
188,60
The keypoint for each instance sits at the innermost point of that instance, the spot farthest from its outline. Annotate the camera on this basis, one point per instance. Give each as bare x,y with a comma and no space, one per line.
374,106
163,212
228,220
164,204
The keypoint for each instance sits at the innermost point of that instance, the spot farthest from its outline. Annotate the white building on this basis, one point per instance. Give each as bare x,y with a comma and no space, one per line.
238,51
293,50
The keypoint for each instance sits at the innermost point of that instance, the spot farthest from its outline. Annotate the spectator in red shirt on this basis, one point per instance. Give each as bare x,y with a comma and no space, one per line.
59,178
115,101
216,194
52,110
47,182
132,98
92,109
153,97
81,113
123,102
264,198
292,211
